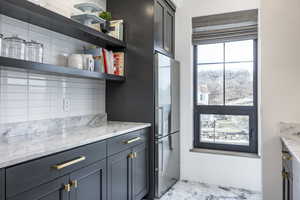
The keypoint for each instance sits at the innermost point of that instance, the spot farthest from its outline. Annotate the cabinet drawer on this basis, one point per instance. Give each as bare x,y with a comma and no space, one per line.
123,142
25,176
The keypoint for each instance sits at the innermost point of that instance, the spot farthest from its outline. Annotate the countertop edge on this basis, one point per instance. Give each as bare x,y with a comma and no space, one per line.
38,155
295,153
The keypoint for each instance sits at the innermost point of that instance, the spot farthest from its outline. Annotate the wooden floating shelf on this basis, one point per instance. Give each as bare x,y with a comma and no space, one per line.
57,70
42,17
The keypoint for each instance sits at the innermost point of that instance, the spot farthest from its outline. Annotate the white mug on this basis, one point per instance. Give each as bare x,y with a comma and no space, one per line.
75,60
88,62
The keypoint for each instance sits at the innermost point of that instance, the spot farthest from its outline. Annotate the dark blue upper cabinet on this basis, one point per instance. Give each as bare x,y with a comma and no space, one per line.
164,27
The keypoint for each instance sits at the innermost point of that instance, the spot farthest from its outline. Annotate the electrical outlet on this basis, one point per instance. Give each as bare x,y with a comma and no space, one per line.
66,105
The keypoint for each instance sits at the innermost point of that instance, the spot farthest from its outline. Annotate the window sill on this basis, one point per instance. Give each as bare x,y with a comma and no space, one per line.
226,153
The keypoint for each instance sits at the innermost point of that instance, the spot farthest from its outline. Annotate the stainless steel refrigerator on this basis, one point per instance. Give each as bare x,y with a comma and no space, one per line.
167,119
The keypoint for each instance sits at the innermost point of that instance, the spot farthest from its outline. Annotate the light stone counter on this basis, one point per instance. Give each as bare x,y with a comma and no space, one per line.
290,136
18,149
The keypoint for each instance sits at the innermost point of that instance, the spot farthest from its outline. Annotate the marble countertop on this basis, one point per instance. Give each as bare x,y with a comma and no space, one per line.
293,146
290,136
18,149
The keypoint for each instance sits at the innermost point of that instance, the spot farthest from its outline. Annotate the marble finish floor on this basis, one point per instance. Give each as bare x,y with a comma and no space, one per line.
186,190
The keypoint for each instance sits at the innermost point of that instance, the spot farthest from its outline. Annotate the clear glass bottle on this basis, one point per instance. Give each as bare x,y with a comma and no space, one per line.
14,47
34,51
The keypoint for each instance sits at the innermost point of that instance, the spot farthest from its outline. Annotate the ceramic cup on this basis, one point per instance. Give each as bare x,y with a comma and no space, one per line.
75,60
88,62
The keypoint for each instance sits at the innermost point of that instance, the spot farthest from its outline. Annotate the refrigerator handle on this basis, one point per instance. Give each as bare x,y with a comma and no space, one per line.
162,156
171,143
161,109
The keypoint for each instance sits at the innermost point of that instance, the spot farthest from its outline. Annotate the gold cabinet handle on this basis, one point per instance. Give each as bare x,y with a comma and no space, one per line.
132,155
132,140
286,157
74,183
67,187
285,175
69,163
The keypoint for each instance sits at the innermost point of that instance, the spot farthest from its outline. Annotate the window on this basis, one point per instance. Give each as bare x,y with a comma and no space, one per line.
225,92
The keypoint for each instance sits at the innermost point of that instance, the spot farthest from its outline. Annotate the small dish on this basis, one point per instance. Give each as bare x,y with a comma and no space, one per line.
88,7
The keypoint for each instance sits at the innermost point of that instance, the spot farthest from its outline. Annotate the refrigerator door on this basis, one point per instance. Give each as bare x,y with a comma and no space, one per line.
167,163
162,95
175,96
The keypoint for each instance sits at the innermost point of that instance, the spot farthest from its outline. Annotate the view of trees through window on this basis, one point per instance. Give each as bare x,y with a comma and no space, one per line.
225,78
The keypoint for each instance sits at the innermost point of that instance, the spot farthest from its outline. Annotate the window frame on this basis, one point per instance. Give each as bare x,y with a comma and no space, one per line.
250,111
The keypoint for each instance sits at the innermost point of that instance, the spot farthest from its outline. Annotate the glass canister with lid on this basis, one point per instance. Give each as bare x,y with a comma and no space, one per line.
34,51
13,47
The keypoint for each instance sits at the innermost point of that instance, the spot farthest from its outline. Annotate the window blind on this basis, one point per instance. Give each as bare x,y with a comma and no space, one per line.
225,27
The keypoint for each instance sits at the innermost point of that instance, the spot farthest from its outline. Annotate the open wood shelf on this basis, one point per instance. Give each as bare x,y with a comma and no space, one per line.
37,15
57,70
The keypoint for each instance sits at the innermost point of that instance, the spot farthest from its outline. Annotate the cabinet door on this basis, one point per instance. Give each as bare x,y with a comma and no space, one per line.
159,22
119,176
53,190
2,183
89,182
140,172
169,17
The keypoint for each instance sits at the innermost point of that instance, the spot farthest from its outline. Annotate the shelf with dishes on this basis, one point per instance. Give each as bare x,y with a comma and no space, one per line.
37,15
99,62
57,70
103,60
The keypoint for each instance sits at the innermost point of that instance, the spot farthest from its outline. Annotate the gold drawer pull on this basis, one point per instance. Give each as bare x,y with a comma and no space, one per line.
72,162
132,140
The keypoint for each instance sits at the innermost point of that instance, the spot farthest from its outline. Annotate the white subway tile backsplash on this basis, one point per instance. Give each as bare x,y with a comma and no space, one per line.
28,96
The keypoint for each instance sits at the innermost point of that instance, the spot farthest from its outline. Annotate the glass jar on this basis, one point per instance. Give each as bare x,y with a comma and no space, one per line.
14,47
34,51
1,36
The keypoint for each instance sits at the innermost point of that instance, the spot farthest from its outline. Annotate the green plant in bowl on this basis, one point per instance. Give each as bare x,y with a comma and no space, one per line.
105,15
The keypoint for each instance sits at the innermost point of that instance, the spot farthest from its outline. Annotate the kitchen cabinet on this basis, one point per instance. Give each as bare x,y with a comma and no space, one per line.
287,175
89,182
113,169
86,183
128,173
140,172
119,176
2,184
164,27
54,190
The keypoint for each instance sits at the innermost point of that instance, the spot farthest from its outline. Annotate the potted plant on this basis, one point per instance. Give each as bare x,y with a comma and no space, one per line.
105,27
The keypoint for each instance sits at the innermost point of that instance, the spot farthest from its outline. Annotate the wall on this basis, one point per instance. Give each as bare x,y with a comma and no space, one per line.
215,169
66,7
280,47
26,96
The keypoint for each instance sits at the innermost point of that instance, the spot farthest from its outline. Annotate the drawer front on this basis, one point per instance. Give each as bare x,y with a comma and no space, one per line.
25,176
123,142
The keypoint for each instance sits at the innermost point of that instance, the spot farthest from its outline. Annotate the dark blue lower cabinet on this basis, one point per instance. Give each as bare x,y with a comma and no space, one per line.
116,176
2,184
54,190
119,176
128,174
89,183
140,171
